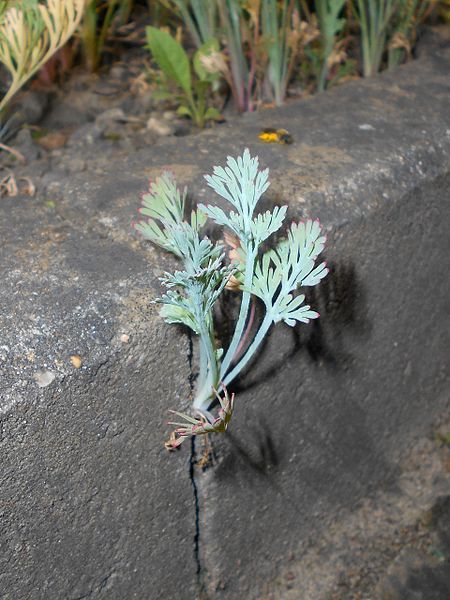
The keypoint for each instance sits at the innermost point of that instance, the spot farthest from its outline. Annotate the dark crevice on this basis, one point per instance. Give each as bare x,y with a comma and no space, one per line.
192,463
83,596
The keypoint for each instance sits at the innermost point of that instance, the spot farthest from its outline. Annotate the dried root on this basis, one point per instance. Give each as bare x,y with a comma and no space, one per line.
202,425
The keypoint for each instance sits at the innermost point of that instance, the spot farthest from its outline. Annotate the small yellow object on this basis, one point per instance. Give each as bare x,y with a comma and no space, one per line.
278,136
76,361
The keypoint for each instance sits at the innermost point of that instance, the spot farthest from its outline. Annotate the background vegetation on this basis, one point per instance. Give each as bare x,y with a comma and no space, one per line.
201,53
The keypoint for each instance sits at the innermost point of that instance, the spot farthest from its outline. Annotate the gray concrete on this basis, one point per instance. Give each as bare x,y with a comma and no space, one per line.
91,505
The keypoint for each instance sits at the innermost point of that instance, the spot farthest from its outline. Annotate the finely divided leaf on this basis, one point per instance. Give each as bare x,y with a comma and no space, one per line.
267,223
240,183
164,205
151,231
164,200
315,276
175,313
290,310
266,279
290,265
198,219
231,220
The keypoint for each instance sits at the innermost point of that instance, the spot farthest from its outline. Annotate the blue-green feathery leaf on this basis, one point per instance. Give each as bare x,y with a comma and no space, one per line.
231,220
290,310
175,312
198,219
290,265
267,223
266,279
198,288
240,183
164,201
164,205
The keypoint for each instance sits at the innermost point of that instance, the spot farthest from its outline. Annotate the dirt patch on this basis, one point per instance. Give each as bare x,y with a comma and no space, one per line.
320,156
390,541
183,173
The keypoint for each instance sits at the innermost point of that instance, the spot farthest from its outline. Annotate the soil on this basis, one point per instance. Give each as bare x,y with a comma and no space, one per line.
81,125
84,121
394,545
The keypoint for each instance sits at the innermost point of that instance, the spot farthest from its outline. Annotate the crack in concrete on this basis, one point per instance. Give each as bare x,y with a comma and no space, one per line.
99,588
84,596
192,462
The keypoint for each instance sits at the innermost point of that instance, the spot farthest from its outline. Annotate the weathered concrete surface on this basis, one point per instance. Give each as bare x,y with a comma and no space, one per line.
91,506
343,398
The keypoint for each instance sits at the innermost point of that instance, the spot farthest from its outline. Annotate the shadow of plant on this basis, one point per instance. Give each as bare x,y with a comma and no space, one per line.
341,301
255,458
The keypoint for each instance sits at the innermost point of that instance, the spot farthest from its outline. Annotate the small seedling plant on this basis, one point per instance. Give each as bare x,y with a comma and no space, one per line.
194,83
274,276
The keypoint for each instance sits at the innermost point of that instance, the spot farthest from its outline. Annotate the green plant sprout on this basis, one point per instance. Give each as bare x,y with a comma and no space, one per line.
98,24
273,276
374,17
330,25
200,18
408,17
173,60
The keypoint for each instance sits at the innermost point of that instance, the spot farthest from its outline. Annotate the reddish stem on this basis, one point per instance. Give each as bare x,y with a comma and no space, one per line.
246,332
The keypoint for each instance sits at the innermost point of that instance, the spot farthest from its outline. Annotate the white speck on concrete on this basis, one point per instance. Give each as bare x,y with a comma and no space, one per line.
366,127
43,378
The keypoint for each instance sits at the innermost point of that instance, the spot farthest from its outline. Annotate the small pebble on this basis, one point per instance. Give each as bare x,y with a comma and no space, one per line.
366,127
109,117
169,115
43,378
53,140
159,127
76,165
76,361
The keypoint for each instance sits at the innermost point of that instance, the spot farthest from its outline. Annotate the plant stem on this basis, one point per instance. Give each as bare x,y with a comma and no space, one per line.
211,373
247,330
183,7
374,21
231,16
264,328
243,312
20,157
203,371
253,60
104,31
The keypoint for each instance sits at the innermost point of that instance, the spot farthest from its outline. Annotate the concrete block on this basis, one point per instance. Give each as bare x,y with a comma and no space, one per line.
91,505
